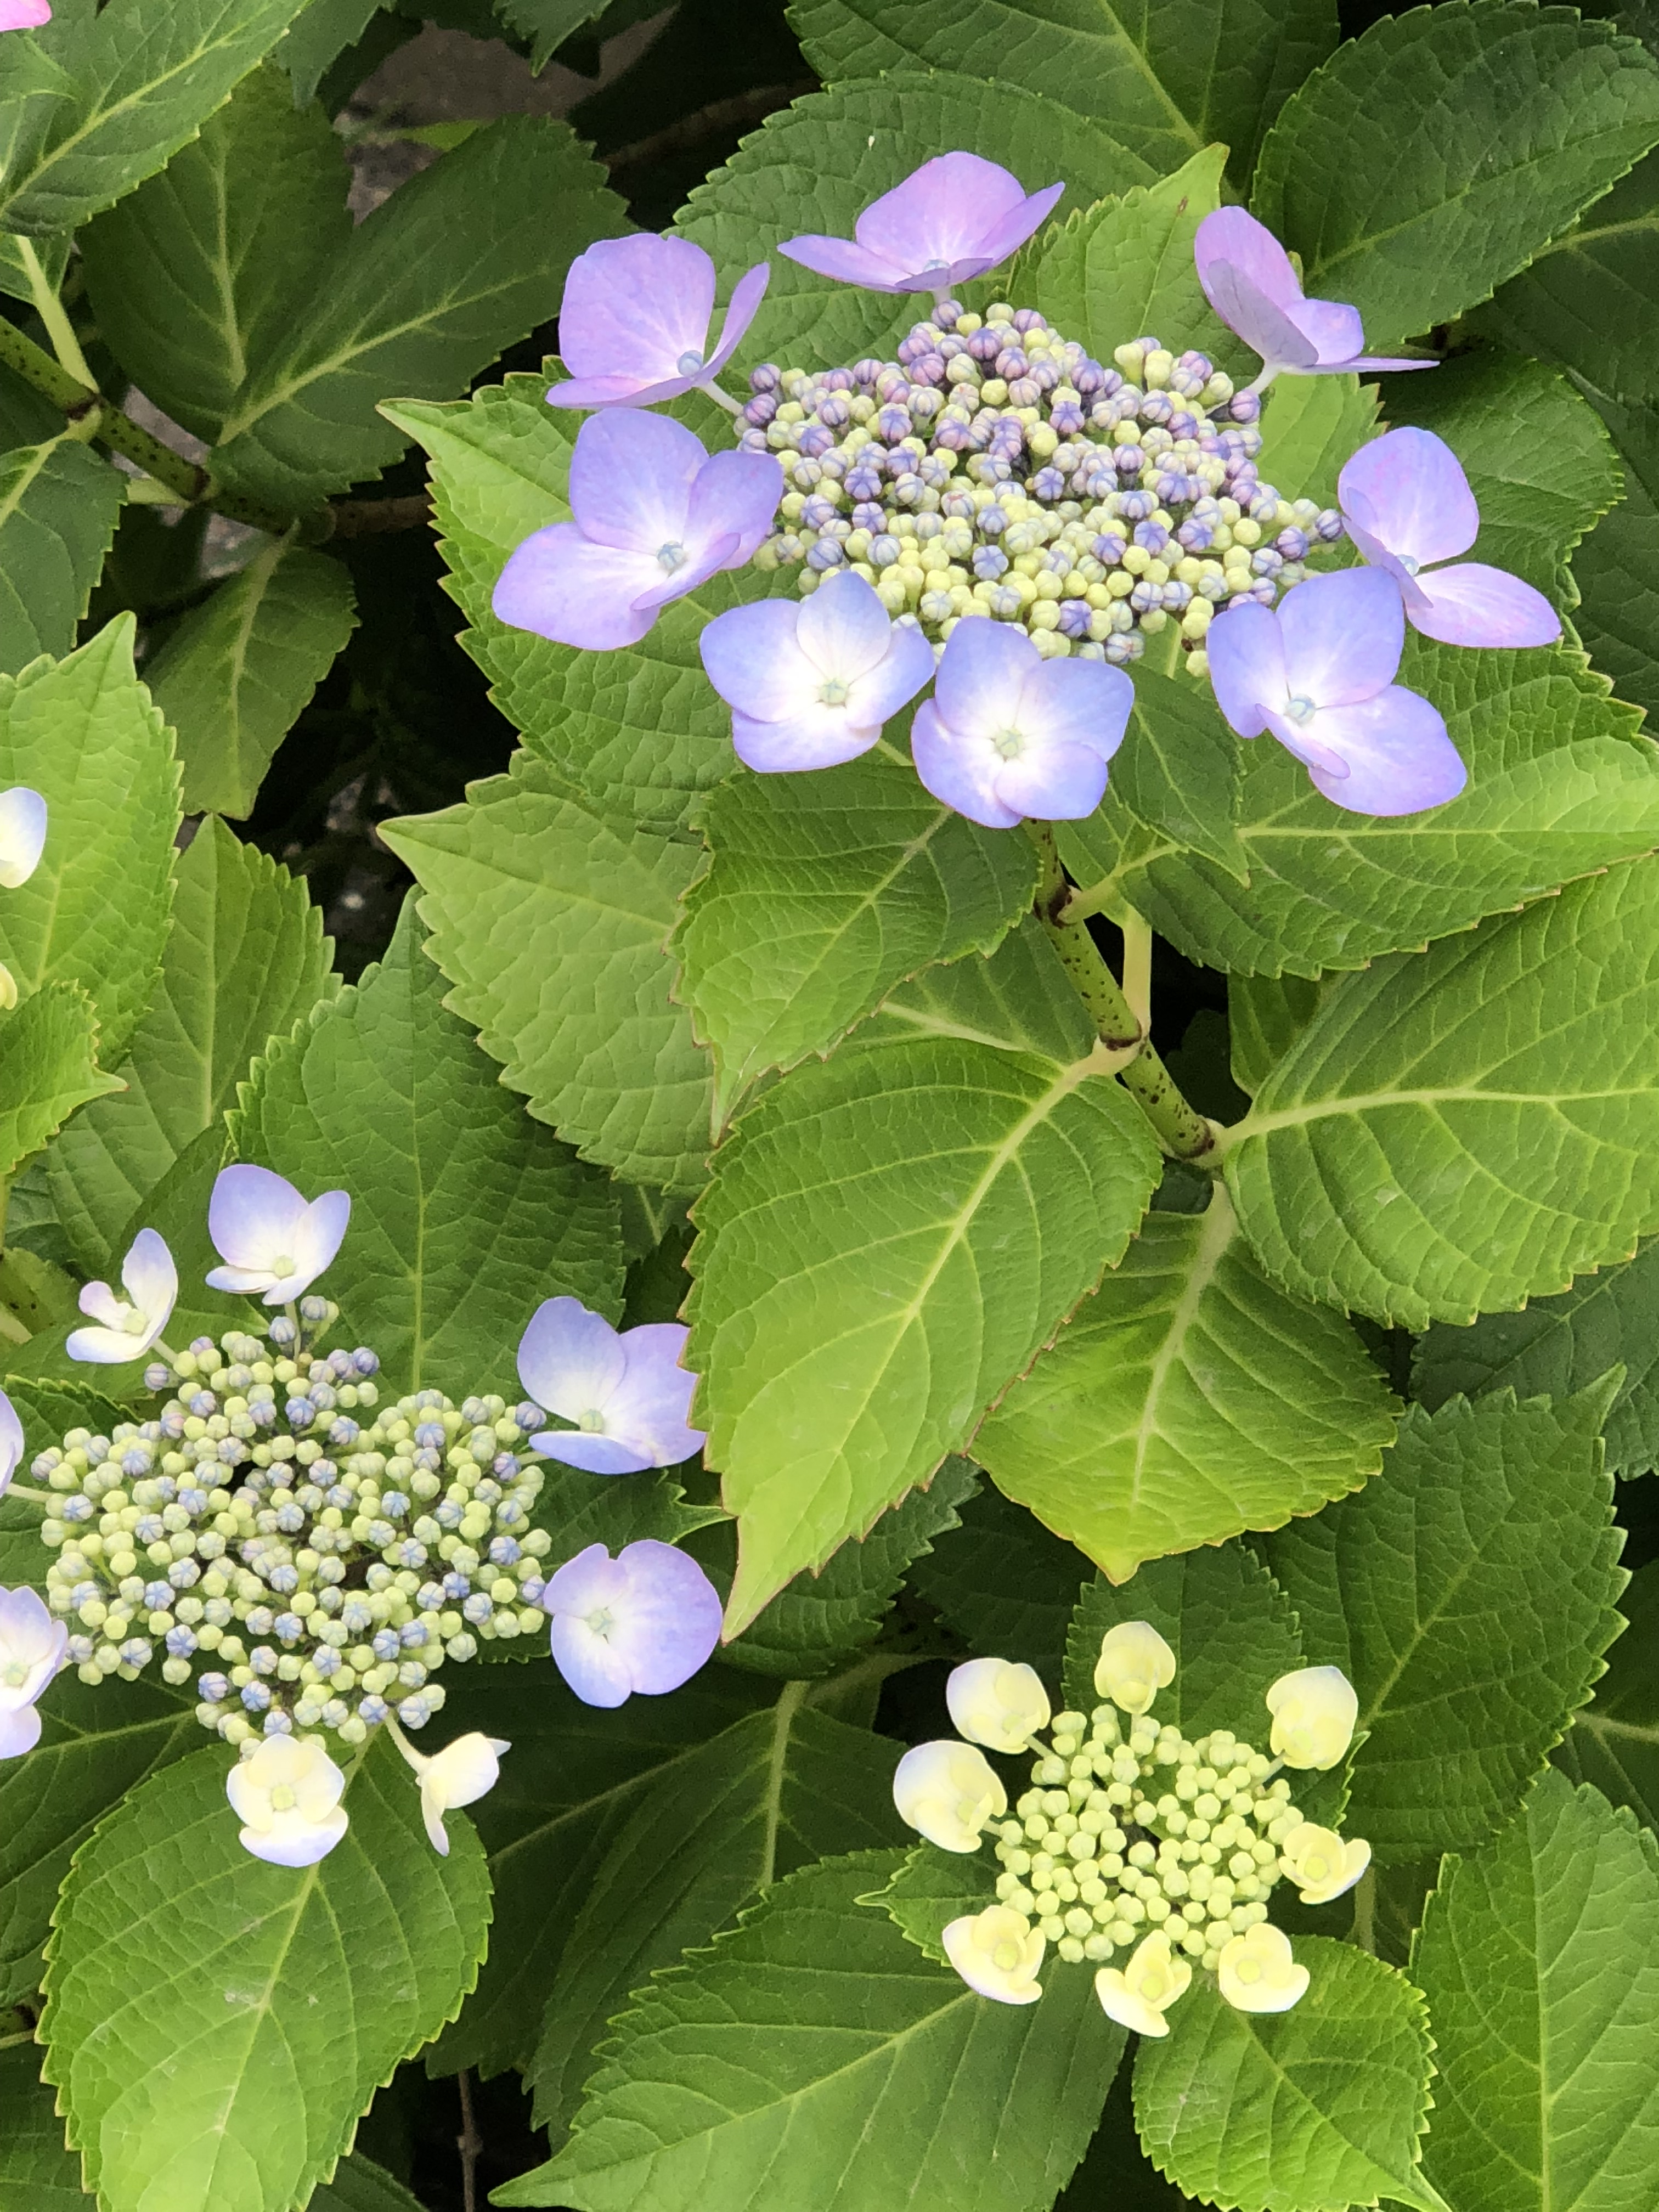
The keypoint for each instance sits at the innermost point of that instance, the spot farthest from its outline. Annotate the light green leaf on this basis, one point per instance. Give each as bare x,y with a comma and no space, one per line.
1557,789
1188,1400
929,1889
1468,1593
1305,2111
824,893
465,1213
815,166
95,1745
1432,157
550,925
815,2035
1614,1741
1540,1958
641,731
36,2174
1165,83
890,1235
1231,1630
214,2057
1178,770
85,736
1614,568
1310,425
1005,1584
1560,1345
1019,1000
1462,1131
1265,1014
59,505
574,1780
246,958
197,277
235,675
48,1068
772,1793
461,261
1124,268
144,84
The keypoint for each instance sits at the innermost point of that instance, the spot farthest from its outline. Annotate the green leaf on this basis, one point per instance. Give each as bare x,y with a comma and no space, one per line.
85,736
1618,617
813,166
572,1782
772,1793
1265,1014
824,893
1558,789
236,673
95,1745
144,84
1179,769
197,277
1305,2111
1560,1345
214,2057
641,731
1020,1000
1463,1130
890,1237
1613,1741
1165,83
550,925
1588,299
1188,1400
929,1889
465,1213
48,1068
327,29
1468,1593
246,958
1004,1583
1540,1959
36,2174
1231,1630
1432,157
818,1620
547,23
60,504
359,2185
461,261
814,2033
1310,425
1125,267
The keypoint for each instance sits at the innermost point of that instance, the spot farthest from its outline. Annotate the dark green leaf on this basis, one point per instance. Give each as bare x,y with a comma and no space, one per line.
1614,1741
60,504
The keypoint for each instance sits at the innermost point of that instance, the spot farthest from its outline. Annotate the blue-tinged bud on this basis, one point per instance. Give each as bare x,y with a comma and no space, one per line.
371,1710
365,1361
215,1688
255,1696
281,1330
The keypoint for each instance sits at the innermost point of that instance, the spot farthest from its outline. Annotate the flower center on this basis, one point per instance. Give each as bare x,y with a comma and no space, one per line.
1299,710
1316,1868
1006,1957
600,1620
592,1422
1248,1971
834,693
671,555
1407,563
1010,743
132,1321
689,362
15,1675
283,1799
283,1265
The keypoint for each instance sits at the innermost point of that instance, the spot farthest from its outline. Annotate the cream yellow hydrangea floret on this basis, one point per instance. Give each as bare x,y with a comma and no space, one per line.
1138,1995
1321,1863
1314,1712
947,1791
997,1953
1257,1973
1135,1664
997,1702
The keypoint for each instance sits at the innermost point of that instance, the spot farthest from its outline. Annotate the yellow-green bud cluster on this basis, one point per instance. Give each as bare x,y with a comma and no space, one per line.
308,1557
1129,1827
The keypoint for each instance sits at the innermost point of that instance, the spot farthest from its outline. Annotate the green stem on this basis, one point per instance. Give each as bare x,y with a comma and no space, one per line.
50,308
90,414
33,1496
1364,1930
1138,968
1183,1132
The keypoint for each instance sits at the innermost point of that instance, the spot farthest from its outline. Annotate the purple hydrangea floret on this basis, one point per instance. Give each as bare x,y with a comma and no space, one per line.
644,1621
1009,735
1248,279
626,1391
634,326
1407,503
655,516
810,682
1318,671
949,221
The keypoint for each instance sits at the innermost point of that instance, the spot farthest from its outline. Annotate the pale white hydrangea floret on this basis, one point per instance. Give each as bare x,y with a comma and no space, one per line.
947,1791
1321,1863
1257,1973
273,1242
287,1793
1314,1712
11,1443
23,835
460,1774
997,1953
128,1326
31,1645
998,1703
1135,1664
1139,1993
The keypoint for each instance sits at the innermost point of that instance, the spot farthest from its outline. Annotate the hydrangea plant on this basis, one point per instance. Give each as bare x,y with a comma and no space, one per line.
894,1431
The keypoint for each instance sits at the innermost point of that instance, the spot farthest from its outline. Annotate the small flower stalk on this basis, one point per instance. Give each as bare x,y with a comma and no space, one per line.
1139,1851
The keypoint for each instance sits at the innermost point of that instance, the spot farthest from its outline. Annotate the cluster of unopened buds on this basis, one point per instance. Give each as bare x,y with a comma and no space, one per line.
1132,1840
309,1558
998,506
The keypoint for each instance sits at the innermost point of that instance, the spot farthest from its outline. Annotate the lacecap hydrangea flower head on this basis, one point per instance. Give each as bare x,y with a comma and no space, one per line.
1137,1851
